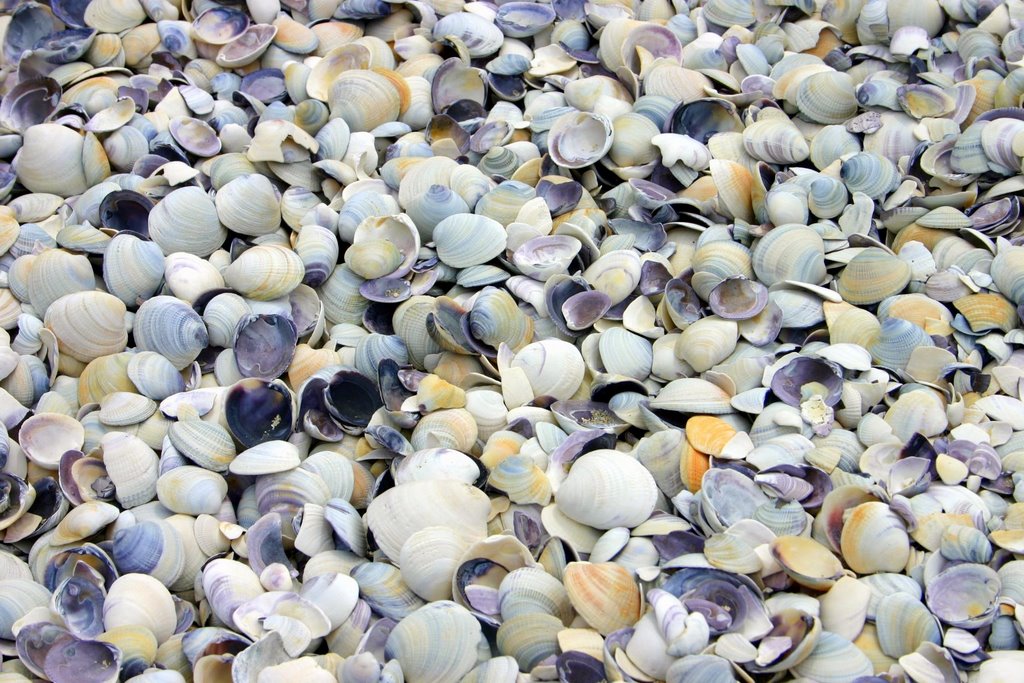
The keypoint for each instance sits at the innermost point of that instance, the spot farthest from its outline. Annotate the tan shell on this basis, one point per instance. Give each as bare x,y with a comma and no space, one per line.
88,324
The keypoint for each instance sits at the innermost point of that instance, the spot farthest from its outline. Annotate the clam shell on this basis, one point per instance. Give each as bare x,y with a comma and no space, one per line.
397,514
594,491
265,272
87,325
604,595
170,327
440,627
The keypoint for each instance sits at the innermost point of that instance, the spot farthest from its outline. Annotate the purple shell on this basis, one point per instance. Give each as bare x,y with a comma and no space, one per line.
737,298
351,398
824,377
584,309
264,345
683,300
257,411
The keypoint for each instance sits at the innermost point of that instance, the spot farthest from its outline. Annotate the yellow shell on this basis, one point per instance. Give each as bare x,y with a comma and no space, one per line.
265,272
873,275
603,594
708,434
987,312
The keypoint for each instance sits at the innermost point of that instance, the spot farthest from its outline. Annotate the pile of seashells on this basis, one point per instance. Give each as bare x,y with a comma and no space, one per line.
582,340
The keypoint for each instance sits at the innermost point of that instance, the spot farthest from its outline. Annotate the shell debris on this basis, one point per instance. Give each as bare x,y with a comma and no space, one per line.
464,341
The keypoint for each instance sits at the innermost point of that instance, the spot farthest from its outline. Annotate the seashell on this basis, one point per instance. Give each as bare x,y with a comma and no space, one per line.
466,240
120,409
395,515
579,139
140,600
707,342
428,560
131,466
191,490
903,622
590,491
87,325
480,36
964,595
73,157
870,526
530,589
869,173
827,97
249,205
46,436
873,275
775,140
191,208
438,627
171,328
265,272
789,252
152,548
246,47
604,595
529,638
133,269
834,659
382,587
365,99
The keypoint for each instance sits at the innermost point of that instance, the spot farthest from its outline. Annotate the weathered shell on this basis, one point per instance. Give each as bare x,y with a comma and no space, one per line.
594,491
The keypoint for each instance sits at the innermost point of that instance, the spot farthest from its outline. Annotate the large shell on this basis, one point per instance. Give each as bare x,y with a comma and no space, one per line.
595,491
87,325
398,513
436,642
603,594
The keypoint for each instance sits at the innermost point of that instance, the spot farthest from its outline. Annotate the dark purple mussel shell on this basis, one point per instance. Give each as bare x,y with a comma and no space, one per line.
257,411
352,398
